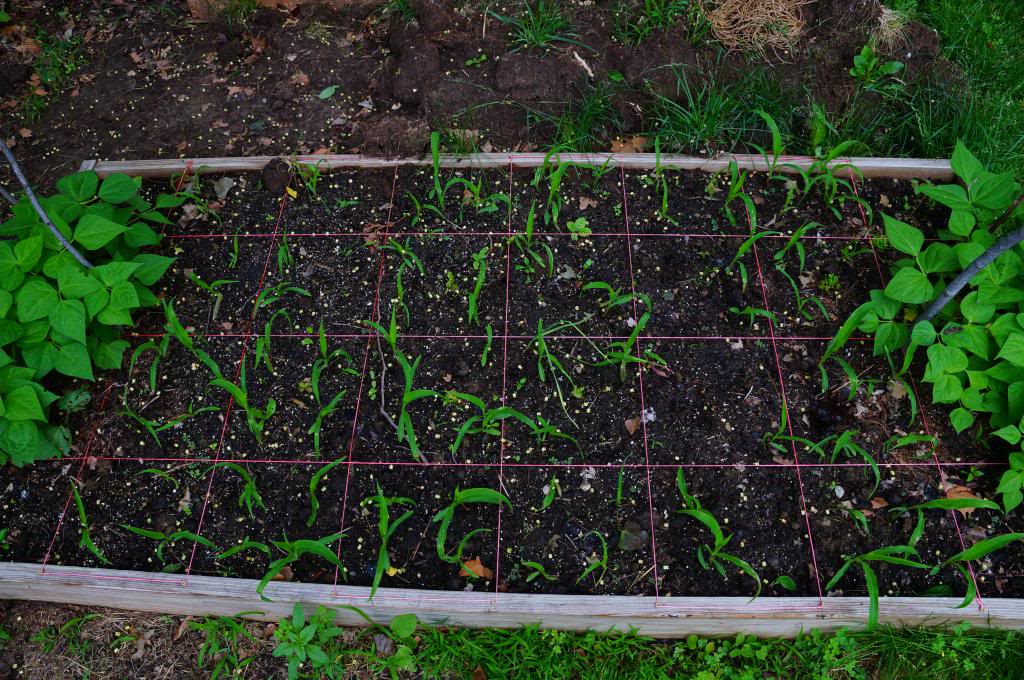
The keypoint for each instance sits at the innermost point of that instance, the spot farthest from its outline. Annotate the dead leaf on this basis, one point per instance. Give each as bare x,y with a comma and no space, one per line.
476,568
781,461
25,133
238,89
958,491
631,145
897,390
478,673
632,424
183,626
587,202
300,78
185,503
285,574
877,503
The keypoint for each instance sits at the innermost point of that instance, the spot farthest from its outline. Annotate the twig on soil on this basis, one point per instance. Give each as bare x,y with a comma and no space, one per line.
12,161
7,196
383,372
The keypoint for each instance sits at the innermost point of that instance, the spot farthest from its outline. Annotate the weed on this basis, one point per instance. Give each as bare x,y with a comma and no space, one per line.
874,74
222,646
386,527
579,228
56,62
539,26
593,562
69,633
713,556
301,643
709,117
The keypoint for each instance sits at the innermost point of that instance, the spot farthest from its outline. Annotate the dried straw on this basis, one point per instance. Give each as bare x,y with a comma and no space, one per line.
757,25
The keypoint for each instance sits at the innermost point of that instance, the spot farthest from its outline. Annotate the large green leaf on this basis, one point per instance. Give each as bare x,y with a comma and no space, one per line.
27,251
118,188
123,296
36,299
21,441
73,360
94,231
113,273
68,317
22,403
902,236
910,286
994,192
1013,349
151,267
108,355
966,166
946,390
952,196
80,187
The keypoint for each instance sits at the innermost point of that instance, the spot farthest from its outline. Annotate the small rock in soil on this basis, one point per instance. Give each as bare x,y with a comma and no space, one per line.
276,175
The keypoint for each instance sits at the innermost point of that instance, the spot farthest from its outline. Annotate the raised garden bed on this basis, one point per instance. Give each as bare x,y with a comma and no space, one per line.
701,396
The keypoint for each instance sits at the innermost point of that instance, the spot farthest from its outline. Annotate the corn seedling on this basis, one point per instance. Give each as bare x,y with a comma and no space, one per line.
272,294
773,439
752,313
549,364
314,485
534,256
593,562
444,518
487,345
795,242
777,150
386,528
309,174
553,173
285,259
213,289
536,570
168,540
742,250
256,418
250,496
737,178
482,204
978,551
408,260
713,556
160,348
896,554
551,490
487,421
85,540
244,546
480,266
614,297
262,346
622,353
159,474
296,550
803,302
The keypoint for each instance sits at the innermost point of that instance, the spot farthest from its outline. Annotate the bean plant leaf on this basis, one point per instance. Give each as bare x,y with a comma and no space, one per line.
94,231
910,286
902,236
118,188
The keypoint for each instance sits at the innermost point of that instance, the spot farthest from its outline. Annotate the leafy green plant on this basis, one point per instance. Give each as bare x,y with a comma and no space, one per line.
213,288
386,528
622,353
708,555
614,297
301,642
974,341
579,228
872,73
444,517
593,562
57,314
250,495
222,646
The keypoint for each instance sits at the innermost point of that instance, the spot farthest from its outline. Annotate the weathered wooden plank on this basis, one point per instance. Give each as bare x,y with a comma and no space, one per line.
899,168
668,617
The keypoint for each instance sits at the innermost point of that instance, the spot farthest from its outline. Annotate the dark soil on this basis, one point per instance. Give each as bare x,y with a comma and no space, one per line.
709,403
156,84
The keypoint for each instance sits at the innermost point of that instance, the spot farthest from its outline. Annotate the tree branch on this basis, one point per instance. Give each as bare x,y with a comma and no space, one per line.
7,196
38,208
985,259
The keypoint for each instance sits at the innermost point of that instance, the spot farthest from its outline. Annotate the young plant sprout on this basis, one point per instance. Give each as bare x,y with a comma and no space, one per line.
296,550
480,266
482,204
615,297
262,346
85,540
536,569
213,289
164,540
408,260
444,518
553,171
579,228
713,556
386,528
534,257
621,353
796,242
255,418
271,294
802,301
753,312
737,178
250,496
487,345
593,562
314,484
742,250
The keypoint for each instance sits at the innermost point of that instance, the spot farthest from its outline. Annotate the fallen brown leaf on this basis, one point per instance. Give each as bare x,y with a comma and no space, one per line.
958,491
587,202
478,673
476,568
877,503
632,424
634,144
285,574
300,78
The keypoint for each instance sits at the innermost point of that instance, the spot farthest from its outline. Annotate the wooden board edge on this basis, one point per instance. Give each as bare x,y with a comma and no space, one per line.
665,618
896,168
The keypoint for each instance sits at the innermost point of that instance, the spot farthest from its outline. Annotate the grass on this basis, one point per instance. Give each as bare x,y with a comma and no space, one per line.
884,654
